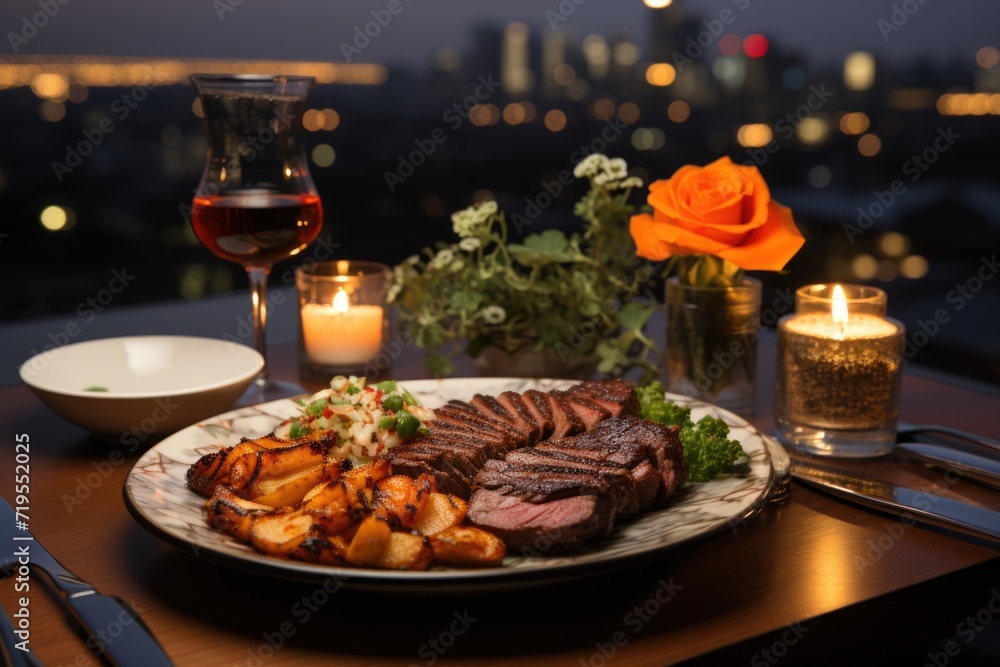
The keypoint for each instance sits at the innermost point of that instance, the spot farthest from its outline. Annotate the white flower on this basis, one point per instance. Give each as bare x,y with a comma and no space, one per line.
494,314
466,222
393,292
443,258
601,179
632,182
469,244
617,167
590,165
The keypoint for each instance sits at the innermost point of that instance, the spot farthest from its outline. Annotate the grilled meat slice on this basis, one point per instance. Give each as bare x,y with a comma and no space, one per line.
589,412
616,396
664,441
564,418
622,489
534,528
466,415
541,410
496,409
516,407
439,465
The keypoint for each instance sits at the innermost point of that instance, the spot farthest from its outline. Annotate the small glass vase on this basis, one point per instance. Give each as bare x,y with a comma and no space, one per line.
711,347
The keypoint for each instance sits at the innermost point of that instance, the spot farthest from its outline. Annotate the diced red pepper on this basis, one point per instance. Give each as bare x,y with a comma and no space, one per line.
327,412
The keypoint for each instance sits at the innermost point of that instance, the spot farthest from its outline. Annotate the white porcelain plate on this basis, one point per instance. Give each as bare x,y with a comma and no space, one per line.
156,495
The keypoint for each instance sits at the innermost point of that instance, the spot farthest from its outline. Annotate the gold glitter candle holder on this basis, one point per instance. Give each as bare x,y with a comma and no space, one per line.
840,363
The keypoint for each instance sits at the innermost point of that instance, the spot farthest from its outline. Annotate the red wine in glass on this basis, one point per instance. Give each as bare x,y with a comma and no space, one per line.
256,203
257,227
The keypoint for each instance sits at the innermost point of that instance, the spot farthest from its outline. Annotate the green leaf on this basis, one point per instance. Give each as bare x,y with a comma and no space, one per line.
439,365
634,315
465,300
545,248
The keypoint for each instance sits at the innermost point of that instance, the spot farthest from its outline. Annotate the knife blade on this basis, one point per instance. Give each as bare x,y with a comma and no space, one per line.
114,629
966,464
901,499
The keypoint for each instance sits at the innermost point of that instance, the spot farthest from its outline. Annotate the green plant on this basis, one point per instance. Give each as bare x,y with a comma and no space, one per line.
572,293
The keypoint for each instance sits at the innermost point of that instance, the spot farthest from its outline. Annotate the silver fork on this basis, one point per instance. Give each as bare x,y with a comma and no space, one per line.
905,430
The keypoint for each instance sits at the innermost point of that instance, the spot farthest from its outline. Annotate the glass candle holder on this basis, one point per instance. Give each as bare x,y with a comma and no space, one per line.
840,363
342,317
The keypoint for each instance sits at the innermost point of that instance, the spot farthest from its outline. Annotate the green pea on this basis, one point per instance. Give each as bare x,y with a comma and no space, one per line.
394,403
406,424
387,422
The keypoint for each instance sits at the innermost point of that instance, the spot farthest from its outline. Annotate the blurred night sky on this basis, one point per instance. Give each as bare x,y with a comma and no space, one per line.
309,29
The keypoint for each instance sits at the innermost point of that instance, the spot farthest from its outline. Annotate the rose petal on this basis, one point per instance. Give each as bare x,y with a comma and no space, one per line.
770,246
647,243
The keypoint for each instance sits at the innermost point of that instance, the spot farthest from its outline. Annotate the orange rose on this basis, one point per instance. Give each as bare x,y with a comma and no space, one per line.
723,209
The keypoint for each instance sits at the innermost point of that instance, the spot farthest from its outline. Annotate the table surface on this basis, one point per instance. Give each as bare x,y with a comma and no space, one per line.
813,577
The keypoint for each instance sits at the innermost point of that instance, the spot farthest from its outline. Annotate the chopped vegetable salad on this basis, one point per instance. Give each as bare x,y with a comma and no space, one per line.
368,420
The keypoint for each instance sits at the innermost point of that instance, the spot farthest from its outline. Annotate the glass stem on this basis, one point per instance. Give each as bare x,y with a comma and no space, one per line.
258,294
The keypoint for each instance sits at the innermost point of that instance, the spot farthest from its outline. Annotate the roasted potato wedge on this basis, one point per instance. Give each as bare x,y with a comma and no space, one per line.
398,498
233,515
291,489
405,551
360,482
212,470
280,533
319,547
466,545
439,512
369,541
264,464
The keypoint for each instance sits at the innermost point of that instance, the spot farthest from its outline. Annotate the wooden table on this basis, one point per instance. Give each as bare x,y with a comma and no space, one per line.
811,580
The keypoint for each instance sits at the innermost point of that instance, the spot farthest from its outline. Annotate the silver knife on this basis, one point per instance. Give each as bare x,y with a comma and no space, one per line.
900,499
114,630
979,468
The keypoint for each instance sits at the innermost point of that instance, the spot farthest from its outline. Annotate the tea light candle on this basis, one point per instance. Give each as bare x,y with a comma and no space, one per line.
839,372
340,333
341,317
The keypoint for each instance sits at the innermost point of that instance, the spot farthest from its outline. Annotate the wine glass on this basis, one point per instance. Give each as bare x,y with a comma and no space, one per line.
256,202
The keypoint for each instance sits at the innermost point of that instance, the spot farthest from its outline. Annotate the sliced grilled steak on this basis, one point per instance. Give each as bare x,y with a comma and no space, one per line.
622,489
476,428
636,457
589,412
463,429
565,522
564,418
515,406
663,440
541,410
496,409
616,396
438,465
462,410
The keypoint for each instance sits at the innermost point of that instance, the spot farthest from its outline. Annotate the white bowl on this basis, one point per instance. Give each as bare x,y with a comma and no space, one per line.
140,388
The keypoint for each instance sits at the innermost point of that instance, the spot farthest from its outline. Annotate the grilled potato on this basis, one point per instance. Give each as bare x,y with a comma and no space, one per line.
263,464
360,482
212,470
280,533
465,545
233,515
291,489
439,512
405,551
398,498
369,542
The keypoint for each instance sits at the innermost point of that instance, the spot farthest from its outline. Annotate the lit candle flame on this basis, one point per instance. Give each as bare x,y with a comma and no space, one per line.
340,302
839,307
